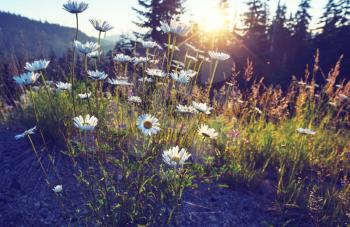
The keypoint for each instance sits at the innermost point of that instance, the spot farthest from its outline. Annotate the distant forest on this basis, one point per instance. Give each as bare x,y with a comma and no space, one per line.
278,45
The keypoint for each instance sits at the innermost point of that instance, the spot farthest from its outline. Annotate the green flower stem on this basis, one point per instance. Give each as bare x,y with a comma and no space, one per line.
86,84
212,77
38,159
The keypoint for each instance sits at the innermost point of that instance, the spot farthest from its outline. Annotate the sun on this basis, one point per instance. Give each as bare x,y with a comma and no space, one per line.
211,19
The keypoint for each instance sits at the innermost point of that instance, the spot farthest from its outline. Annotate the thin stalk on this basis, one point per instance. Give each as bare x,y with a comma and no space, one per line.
212,77
38,158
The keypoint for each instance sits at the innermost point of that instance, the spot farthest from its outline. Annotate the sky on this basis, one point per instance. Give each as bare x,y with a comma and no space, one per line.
120,15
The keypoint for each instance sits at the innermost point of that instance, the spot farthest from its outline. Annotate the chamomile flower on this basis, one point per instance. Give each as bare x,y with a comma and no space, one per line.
102,26
75,7
84,95
149,44
186,109
202,107
179,28
172,47
121,58
192,58
122,82
180,77
95,54
258,110
146,79
86,48
85,124
63,86
175,158
219,56
138,60
27,78
306,131
37,65
26,133
57,188
165,27
148,124
207,132
135,99
156,73
97,75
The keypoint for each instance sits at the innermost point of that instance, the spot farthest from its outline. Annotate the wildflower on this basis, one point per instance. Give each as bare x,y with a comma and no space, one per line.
179,28
172,47
207,132
121,58
306,131
146,79
27,78
165,27
102,26
156,73
343,97
122,82
94,54
135,99
26,133
148,124
97,75
57,188
37,65
85,124
339,86
85,95
258,110
202,107
301,83
186,109
219,56
180,77
86,48
149,44
179,63
202,57
74,7
175,158
191,47
63,86
192,58
138,60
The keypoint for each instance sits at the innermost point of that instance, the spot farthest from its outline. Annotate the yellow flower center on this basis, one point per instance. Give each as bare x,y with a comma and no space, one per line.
175,159
147,124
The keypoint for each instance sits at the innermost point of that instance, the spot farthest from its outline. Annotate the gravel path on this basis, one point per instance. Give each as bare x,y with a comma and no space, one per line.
26,199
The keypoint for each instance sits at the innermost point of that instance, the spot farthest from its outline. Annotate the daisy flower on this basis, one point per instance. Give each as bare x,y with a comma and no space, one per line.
84,95
175,158
75,7
179,28
219,56
146,79
180,77
86,48
186,109
26,133
97,75
37,65
306,131
121,82
27,78
121,58
156,72
102,26
94,54
202,107
171,47
138,60
148,124
63,86
57,188
149,44
165,27
207,132
85,124
135,99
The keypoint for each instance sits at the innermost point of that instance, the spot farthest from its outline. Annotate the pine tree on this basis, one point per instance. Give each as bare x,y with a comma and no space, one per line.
331,17
345,14
303,19
153,12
